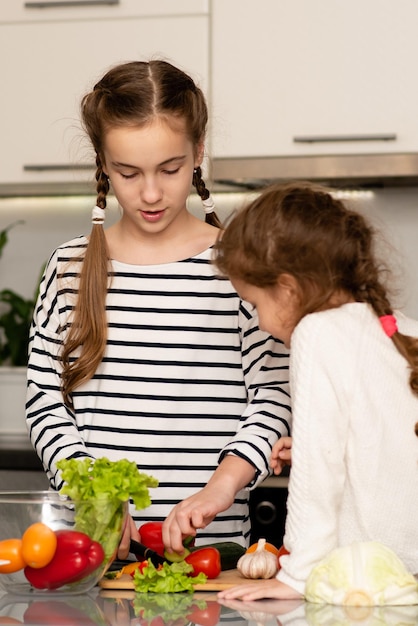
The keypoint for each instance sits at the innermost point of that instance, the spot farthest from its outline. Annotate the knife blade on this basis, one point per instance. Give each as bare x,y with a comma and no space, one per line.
146,553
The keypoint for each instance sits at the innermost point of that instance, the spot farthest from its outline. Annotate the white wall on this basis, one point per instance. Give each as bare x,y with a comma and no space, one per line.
395,213
50,221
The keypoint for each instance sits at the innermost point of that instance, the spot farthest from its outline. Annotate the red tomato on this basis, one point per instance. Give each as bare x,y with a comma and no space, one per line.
11,550
206,560
39,543
209,616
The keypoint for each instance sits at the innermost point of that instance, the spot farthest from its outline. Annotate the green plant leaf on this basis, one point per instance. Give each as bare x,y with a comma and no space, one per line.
4,236
15,316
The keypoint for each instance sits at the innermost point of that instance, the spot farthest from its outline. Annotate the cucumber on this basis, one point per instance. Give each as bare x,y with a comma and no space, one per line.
174,557
229,550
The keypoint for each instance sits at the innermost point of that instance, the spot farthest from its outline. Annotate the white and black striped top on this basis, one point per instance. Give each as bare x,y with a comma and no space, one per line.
187,377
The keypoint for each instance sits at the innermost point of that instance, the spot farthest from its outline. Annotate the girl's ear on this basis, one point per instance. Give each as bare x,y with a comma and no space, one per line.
200,153
288,284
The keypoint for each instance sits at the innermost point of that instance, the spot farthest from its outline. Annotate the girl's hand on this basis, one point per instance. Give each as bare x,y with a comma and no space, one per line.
281,454
195,512
130,532
271,588
270,606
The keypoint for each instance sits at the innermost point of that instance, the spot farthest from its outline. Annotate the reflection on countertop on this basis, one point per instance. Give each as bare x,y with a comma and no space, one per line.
108,608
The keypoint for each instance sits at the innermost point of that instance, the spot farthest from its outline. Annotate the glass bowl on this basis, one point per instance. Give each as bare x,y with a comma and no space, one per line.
79,541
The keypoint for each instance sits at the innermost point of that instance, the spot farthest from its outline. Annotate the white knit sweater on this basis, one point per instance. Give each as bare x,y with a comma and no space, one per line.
354,470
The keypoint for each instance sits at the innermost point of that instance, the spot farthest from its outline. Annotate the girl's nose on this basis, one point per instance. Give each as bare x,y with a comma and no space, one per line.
151,190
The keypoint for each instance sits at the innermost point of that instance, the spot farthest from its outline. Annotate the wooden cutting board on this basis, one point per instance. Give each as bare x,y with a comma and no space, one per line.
225,580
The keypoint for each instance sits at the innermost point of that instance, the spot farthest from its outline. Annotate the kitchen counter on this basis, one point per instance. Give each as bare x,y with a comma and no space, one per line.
104,608
20,467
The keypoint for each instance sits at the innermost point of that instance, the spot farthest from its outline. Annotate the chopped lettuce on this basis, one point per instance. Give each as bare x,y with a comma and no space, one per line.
365,573
168,607
100,488
167,578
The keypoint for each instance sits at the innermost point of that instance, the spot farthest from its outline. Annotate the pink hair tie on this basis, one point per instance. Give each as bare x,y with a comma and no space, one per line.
389,324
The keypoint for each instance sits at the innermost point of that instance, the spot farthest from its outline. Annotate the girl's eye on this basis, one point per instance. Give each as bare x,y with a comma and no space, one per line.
127,175
170,172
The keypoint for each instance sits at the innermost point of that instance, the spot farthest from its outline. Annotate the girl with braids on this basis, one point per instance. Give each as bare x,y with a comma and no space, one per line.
308,265
139,349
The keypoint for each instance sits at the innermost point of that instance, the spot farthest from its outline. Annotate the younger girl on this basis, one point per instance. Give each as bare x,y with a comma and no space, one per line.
139,350
308,265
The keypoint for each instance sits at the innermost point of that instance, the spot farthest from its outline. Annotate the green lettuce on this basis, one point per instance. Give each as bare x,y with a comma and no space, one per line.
168,607
167,578
100,489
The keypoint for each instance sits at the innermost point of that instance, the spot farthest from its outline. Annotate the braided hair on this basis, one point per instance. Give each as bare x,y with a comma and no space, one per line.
129,94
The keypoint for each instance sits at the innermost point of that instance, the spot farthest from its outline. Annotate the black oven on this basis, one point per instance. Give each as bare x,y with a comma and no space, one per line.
268,511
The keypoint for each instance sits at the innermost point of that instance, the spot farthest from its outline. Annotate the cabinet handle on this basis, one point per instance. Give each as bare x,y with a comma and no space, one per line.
44,167
326,138
67,3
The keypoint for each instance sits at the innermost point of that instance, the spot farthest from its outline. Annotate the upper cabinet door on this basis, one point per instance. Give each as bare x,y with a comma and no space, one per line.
296,77
49,66
45,10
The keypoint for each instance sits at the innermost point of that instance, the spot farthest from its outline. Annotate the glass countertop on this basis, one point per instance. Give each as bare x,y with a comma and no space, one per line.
126,608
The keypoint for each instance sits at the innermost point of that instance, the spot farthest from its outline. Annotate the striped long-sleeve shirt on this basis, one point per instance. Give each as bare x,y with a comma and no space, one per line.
186,378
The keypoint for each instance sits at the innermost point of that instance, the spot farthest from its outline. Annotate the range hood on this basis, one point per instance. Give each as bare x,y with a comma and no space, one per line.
349,170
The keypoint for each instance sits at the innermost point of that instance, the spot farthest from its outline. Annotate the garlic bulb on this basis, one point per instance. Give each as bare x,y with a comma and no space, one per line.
258,564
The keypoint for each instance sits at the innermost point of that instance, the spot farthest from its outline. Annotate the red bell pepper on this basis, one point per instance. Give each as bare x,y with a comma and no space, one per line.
206,560
151,534
141,566
76,557
56,613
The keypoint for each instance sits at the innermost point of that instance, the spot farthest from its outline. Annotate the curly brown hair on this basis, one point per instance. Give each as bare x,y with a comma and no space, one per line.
301,229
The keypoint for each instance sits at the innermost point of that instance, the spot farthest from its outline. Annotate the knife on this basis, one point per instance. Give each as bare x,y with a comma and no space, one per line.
146,553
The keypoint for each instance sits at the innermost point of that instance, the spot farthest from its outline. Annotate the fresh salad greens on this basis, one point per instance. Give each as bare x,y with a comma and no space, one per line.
169,608
100,488
167,578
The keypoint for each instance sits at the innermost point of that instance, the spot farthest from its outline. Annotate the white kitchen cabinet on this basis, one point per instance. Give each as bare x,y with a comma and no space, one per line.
297,77
45,10
47,66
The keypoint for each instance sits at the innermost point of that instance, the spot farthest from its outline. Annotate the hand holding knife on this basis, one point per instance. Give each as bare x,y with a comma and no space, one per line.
146,553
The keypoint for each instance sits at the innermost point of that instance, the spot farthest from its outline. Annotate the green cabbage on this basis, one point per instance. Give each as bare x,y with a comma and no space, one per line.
365,573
